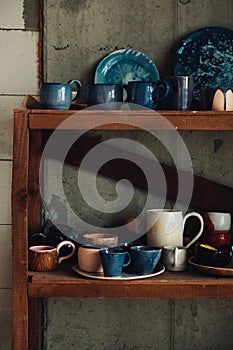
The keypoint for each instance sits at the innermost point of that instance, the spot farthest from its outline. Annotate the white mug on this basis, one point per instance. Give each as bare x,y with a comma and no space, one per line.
220,221
175,258
166,227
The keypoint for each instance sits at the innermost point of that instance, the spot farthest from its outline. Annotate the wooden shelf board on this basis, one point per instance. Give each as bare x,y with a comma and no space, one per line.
126,120
189,284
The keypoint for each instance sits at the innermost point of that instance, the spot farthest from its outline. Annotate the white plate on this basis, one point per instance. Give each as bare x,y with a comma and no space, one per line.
122,66
125,276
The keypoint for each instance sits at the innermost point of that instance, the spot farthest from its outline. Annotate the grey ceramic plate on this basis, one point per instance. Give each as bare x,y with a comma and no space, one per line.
125,276
216,271
122,66
206,54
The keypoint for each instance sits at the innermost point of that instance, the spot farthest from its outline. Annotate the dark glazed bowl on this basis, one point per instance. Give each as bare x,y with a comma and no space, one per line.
211,256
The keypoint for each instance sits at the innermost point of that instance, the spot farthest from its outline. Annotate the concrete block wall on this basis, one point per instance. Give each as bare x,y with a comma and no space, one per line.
18,76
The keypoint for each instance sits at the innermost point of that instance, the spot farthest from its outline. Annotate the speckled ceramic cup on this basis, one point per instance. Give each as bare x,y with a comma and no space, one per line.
46,257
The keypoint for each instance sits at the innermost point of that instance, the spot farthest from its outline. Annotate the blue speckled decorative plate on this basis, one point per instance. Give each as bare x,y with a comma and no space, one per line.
207,55
122,66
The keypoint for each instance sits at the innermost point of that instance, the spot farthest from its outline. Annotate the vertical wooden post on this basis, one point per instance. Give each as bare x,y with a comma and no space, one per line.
34,224
20,232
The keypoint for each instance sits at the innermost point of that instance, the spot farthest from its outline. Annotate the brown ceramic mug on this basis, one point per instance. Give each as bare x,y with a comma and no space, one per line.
46,257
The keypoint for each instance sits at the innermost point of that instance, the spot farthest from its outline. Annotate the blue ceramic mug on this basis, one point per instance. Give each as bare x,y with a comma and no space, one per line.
59,95
104,93
144,258
147,94
181,93
113,260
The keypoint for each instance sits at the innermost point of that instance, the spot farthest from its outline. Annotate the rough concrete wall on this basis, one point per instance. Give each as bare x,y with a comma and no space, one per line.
78,34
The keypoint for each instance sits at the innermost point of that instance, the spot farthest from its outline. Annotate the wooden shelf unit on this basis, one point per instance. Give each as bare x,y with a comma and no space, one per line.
29,286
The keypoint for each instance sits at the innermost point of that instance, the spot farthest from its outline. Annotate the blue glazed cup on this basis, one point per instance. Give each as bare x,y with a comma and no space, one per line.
58,95
147,94
113,260
144,259
181,93
104,93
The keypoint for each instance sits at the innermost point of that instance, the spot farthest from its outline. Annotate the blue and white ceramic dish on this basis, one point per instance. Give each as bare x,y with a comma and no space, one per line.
122,66
207,55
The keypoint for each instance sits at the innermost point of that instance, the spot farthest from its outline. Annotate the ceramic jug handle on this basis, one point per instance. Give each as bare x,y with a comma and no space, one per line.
79,89
61,244
201,228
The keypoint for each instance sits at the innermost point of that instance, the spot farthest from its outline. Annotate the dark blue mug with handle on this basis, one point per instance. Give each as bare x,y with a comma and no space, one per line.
59,95
104,93
113,260
147,94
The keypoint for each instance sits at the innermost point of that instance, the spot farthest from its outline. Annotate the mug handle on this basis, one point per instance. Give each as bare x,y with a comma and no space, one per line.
128,259
201,228
176,251
61,244
37,235
79,91
125,93
164,88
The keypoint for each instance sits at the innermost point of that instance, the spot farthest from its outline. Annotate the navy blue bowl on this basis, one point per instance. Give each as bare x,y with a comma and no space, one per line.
211,256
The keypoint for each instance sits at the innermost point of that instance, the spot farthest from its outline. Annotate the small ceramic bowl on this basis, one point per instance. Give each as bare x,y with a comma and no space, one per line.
104,240
207,255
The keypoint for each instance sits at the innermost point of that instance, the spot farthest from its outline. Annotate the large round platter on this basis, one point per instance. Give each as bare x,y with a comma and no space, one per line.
210,270
206,54
122,66
124,276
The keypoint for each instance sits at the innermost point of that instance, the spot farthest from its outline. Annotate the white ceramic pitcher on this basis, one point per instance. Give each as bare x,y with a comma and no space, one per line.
166,227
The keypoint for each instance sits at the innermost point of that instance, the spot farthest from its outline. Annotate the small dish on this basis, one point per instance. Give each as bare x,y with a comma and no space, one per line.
122,66
124,276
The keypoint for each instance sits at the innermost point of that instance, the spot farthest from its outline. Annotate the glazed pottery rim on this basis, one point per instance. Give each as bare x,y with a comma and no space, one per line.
42,248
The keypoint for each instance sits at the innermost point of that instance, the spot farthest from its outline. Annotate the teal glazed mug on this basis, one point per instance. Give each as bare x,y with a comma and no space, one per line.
113,260
147,94
59,95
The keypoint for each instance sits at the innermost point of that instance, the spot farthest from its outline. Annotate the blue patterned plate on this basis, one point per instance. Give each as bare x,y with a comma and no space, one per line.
122,66
207,55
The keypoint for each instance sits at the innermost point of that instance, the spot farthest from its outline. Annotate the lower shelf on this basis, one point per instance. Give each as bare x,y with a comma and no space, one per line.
64,282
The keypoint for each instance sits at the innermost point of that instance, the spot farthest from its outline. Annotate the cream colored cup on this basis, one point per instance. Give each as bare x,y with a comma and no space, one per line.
175,258
89,259
221,221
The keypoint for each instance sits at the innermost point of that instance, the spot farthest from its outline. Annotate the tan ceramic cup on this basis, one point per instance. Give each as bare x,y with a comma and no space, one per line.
46,258
89,259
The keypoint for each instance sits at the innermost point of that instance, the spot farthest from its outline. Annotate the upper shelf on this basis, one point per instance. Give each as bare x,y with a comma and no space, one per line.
87,119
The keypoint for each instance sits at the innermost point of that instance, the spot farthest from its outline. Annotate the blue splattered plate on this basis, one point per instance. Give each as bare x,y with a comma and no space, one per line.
207,55
122,66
